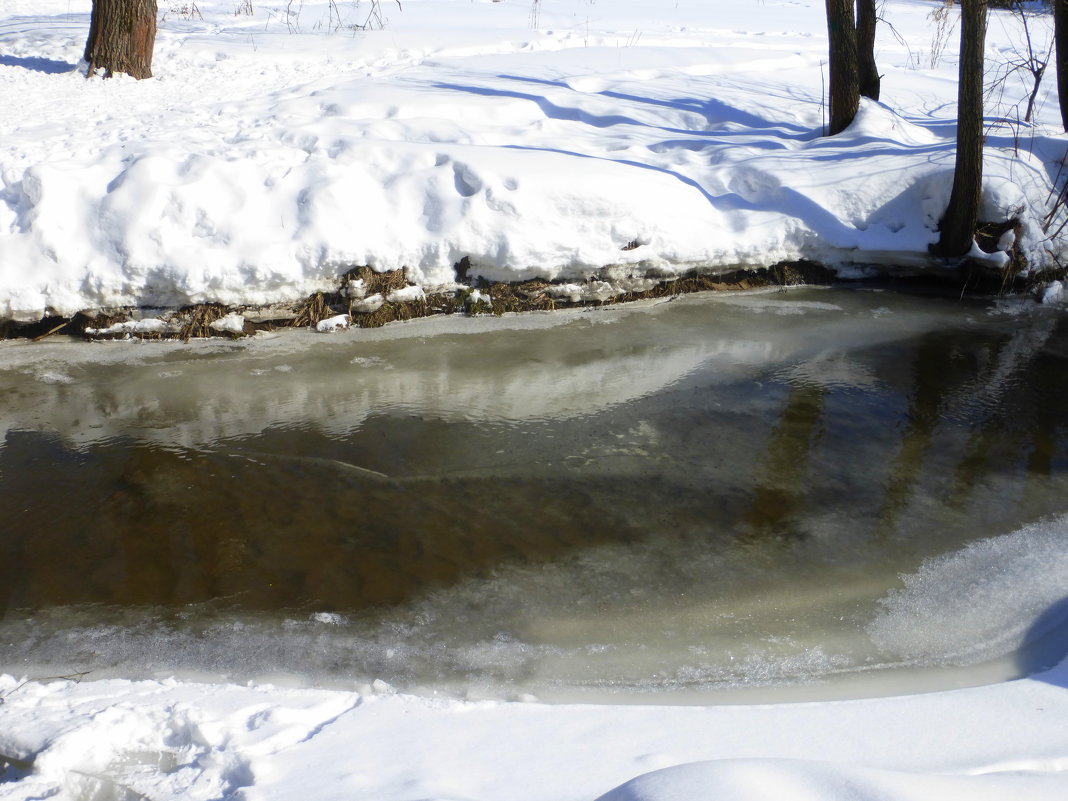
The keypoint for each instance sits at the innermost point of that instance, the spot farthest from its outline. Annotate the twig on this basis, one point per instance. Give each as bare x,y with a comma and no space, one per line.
49,333
75,677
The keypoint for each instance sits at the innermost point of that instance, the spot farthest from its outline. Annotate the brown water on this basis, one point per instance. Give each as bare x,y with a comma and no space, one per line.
705,493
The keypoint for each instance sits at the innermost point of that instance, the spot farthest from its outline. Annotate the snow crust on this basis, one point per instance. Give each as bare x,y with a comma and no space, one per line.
275,150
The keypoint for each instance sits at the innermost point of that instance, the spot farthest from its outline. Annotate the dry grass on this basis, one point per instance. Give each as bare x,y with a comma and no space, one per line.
82,321
391,312
196,320
526,296
377,283
988,236
498,298
445,303
311,311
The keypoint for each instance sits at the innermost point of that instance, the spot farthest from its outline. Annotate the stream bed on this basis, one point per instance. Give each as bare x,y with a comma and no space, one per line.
752,496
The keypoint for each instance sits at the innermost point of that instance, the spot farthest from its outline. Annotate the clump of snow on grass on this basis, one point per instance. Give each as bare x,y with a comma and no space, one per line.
1053,293
997,260
232,323
331,324
591,290
354,288
371,303
408,293
150,325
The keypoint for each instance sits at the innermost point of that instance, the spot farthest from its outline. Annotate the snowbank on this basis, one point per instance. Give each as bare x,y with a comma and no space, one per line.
163,740
276,150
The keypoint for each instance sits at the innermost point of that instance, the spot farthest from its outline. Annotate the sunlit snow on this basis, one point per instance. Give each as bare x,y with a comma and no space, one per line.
275,149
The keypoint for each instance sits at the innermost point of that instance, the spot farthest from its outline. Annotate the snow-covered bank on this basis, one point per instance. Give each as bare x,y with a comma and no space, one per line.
163,740
274,151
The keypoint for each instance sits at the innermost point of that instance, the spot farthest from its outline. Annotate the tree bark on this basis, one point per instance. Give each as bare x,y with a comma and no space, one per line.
868,71
957,228
1060,35
845,85
122,34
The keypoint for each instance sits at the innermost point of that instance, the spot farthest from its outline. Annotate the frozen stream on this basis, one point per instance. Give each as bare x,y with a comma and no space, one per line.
829,492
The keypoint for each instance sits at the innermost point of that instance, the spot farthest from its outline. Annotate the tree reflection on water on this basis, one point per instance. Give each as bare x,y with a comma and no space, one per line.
689,478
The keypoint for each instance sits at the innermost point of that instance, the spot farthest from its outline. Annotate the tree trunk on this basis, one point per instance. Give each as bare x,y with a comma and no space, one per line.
1060,34
958,224
868,71
845,85
122,34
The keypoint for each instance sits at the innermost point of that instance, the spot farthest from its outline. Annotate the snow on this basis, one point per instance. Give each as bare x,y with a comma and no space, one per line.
371,303
996,260
1053,293
407,294
273,151
231,323
330,324
150,325
168,739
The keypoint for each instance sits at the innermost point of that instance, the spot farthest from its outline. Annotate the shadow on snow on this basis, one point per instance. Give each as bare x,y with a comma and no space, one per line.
1045,648
48,66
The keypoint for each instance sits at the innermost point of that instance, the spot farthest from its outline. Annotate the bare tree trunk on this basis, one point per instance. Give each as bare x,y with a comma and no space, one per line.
1060,35
122,34
868,71
958,224
845,85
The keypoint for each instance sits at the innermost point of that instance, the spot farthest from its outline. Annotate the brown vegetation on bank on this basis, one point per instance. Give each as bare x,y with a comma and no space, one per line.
362,283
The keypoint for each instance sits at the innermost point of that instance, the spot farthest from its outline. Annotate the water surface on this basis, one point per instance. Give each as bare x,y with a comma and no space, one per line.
713,493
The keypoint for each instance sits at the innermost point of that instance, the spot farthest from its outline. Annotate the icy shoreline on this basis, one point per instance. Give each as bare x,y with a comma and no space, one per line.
366,299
